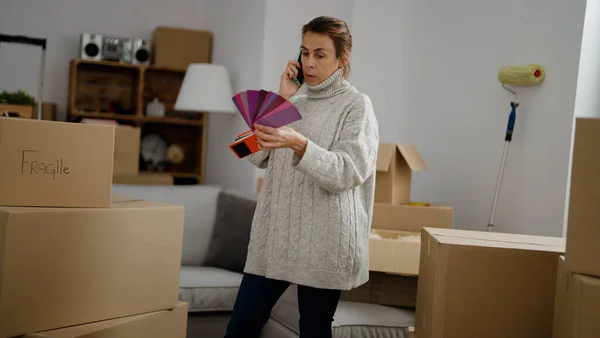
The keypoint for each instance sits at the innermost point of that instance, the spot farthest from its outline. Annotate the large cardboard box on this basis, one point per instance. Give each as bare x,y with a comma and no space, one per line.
385,289
395,165
55,164
394,252
583,233
68,266
482,284
176,48
171,323
127,150
577,306
395,241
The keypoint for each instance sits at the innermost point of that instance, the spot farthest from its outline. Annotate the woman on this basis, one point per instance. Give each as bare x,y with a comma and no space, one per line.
312,221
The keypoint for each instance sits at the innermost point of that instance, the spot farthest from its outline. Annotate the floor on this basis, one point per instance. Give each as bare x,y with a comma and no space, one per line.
207,325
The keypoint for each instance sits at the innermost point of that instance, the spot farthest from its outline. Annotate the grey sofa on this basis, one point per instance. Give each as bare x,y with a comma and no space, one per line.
210,291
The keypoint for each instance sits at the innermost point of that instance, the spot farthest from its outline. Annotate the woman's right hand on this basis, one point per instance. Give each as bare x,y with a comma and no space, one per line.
287,85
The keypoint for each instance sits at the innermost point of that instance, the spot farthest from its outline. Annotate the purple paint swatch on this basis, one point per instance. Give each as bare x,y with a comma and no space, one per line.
284,117
265,108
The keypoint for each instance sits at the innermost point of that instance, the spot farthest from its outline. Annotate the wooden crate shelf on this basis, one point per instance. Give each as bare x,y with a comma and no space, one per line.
198,122
120,92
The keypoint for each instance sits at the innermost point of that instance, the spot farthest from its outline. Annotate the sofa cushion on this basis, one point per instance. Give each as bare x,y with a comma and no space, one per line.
200,205
351,319
231,234
208,289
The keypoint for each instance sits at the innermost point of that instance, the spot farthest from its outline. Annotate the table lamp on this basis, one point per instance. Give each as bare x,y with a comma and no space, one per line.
205,89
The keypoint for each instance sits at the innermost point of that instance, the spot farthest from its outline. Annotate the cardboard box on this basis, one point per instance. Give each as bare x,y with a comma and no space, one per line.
394,252
127,150
144,179
482,284
385,289
170,323
577,306
68,266
16,110
395,240
55,164
583,233
176,48
411,218
395,165
49,111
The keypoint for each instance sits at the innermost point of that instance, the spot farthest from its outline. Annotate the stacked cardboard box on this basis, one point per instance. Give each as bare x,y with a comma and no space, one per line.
177,48
71,254
482,284
577,311
394,246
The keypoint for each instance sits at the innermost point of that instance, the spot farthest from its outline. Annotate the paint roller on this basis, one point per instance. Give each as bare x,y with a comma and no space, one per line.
515,76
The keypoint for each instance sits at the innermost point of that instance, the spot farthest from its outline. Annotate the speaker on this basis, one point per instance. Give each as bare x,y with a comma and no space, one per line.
140,52
91,46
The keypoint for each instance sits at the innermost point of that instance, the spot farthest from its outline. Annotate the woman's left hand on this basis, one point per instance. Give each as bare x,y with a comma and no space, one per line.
283,137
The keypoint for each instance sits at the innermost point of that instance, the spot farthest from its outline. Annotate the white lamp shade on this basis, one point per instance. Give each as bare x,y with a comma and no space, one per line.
205,88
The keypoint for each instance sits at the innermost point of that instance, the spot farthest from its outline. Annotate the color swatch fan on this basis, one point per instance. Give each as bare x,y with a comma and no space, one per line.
265,108
261,107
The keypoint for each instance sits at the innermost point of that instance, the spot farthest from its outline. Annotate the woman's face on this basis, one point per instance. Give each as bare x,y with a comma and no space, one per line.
318,58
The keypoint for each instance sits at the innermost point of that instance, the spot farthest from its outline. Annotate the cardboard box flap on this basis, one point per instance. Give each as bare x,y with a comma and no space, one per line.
385,156
409,152
163,317
498,240
412,157
118,202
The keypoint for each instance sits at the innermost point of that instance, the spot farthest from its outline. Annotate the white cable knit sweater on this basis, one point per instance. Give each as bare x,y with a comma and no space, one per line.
312,221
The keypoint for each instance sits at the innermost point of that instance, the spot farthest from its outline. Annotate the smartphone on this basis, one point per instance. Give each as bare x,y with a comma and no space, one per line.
300,78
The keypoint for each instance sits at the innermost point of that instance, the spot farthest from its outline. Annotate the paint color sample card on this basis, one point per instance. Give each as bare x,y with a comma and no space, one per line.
265,108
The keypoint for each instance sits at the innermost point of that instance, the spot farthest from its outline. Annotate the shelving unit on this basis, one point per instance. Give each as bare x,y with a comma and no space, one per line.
121,92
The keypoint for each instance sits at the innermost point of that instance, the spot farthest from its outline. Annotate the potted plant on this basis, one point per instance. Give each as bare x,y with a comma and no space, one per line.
17,104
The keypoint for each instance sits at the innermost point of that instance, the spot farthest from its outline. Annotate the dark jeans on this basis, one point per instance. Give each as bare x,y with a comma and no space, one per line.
258,295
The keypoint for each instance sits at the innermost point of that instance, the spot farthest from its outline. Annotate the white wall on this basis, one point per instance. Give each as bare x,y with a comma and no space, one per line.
587,100
238,29
62,21
430,68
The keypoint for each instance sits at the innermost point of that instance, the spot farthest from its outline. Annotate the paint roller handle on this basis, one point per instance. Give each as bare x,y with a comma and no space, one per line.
511,122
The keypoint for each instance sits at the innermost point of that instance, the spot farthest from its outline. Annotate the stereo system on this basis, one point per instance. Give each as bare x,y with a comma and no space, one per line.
113,48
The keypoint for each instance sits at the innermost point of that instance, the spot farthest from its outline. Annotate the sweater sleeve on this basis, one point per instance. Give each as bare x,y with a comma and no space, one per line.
260,159
352,159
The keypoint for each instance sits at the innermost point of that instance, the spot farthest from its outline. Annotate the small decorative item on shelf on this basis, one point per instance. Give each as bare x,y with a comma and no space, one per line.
175,154
154,152
16,104
155,108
